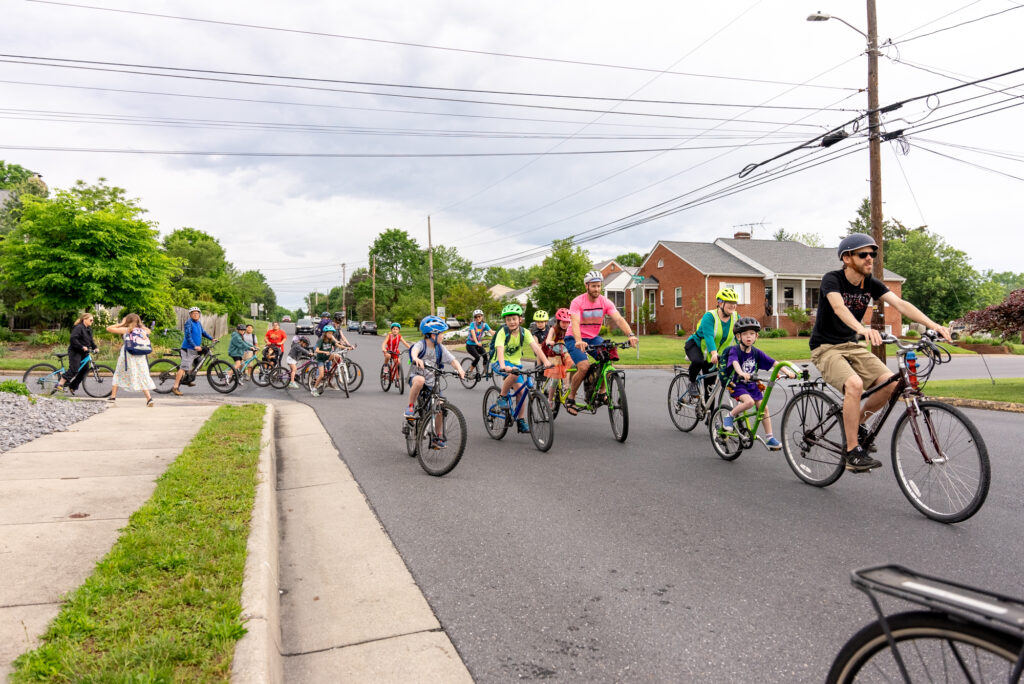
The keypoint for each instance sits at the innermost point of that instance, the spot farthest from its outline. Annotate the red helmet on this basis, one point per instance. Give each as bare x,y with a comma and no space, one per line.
562,315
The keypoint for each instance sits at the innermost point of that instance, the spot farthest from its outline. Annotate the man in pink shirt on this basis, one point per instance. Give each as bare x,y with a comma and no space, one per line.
588,312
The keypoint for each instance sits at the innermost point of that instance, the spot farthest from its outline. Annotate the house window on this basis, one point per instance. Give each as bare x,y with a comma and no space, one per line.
679,326
650,298
813,296
788,300
619,300
661,263
661,298
742,290
679,297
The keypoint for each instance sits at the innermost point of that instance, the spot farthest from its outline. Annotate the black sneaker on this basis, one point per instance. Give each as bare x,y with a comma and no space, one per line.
862,435
858,461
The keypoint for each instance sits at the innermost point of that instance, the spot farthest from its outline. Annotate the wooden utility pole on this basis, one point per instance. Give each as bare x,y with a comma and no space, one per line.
343,281
373,260
875,161
430,265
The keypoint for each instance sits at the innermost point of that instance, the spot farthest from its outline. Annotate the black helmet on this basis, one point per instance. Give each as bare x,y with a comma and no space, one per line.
855,241
746,323
339,316
325,314
240,326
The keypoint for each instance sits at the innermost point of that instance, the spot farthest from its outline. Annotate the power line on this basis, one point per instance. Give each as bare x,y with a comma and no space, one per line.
949,28
919,146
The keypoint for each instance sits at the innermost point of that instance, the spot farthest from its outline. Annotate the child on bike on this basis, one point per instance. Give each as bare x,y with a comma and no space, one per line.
326,348
477,331
745,360
554,349
393,341
429,352
238,346
299,351
508,346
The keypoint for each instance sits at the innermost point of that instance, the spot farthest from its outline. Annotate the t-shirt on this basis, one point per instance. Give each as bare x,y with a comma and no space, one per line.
513,350
828,329
430,355
750,362
591,314
276,338
537,333
479,329
324,348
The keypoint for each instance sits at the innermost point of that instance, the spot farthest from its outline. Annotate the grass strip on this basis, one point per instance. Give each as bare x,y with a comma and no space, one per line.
165,604
1005,389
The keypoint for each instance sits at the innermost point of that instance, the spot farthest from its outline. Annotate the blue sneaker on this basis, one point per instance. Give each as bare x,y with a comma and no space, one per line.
773,444
728,422
502,402
523,427
437,443
495,412
410,413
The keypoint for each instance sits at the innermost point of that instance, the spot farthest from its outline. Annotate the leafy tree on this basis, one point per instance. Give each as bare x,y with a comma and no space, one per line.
498,275
1005,318
630,259
12,209
560,277
449,270
201,253
940,279
360,287
400,264
252,287
12,174
411,306
88,245
809,239
515,278
316,302
465,298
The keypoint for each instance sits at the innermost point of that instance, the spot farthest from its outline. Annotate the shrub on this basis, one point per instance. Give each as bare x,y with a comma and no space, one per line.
617,333
775,332
14,387
806,332
603,332
10,336
680,333
912,334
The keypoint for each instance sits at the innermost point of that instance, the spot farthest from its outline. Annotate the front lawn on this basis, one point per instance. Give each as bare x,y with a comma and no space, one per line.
1004,389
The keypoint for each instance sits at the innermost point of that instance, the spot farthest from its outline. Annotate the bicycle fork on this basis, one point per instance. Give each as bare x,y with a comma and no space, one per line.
914,412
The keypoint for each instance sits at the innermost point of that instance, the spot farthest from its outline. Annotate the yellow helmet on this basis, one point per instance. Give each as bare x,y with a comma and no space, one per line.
727,294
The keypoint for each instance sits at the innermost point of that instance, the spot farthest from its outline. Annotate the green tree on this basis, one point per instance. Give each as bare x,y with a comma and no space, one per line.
560,276
400,264
450,270
75,251
940,279
809,239
465,298
11,210
252,287
12,174
630,259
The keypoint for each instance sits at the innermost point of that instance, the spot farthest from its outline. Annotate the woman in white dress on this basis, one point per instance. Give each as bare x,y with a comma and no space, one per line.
132,371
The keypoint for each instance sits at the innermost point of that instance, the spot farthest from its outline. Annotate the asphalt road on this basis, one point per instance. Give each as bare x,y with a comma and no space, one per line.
652,560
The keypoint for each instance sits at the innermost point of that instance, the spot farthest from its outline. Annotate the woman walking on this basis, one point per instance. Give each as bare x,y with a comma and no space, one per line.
132,371
80,345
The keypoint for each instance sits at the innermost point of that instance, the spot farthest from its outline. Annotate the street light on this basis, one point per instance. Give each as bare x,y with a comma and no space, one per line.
874,151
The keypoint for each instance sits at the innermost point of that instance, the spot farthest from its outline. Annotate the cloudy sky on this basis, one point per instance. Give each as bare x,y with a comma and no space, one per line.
310,127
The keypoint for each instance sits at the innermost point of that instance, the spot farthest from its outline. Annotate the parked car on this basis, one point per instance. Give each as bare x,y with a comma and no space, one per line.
353,326
368,327
957,329
453,323
305,326
286,319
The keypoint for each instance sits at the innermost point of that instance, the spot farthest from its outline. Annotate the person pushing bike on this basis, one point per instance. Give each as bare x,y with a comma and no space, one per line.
191,346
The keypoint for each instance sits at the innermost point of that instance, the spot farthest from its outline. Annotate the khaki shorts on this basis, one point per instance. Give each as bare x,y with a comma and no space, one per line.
837,362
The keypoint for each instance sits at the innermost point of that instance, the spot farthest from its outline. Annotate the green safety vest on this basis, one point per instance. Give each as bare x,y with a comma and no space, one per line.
719,338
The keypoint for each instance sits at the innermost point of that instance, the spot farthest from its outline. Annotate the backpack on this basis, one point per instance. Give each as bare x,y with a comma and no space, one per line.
137,343
505,329
423,352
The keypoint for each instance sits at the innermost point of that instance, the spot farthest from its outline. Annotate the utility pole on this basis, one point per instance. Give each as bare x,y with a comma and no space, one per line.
875,160
430,264
373,261
343,281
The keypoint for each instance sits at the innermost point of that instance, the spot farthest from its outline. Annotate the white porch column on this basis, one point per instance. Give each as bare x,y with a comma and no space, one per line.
775,299
803,293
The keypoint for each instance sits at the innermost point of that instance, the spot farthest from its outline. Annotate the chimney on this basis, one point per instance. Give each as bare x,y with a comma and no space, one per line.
741,235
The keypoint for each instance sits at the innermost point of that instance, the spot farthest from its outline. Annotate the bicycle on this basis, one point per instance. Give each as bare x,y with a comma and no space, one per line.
334,376
967,634
353,371
729,444
436,421
604,385
391,373
686,410
473,376
219,373
539,416
97,381
939,458
256,369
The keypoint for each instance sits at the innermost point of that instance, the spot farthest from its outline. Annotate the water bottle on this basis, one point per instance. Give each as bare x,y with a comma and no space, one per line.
912,368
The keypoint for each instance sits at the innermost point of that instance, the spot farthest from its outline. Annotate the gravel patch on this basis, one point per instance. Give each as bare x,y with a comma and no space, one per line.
22,421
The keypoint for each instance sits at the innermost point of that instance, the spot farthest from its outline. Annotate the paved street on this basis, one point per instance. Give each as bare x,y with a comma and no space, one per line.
654,559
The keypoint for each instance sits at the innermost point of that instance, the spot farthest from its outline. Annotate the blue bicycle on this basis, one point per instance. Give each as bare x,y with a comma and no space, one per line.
42,378
539,416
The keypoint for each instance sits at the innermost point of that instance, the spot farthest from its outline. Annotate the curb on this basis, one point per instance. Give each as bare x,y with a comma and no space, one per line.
258,654
986,404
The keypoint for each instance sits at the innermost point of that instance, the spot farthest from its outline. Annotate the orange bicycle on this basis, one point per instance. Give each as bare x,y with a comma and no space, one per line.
391,373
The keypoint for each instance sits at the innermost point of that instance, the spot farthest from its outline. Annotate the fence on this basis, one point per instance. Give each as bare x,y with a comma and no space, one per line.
214,324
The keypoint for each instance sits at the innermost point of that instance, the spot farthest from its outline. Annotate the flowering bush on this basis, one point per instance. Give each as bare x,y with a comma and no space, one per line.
1005,318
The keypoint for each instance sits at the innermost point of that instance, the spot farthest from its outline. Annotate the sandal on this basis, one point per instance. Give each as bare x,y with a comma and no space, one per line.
571,408
149,402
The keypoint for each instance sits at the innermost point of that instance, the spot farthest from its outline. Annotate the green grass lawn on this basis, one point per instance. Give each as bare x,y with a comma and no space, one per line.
1004,389
165,604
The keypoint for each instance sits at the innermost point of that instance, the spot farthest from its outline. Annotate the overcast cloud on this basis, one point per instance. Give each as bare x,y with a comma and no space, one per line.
299,218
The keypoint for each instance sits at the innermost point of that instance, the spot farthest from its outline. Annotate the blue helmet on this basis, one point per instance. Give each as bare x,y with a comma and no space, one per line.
329,328
432,324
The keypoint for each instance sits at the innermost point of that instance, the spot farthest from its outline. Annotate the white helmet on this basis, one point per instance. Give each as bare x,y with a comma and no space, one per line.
478,312
593,277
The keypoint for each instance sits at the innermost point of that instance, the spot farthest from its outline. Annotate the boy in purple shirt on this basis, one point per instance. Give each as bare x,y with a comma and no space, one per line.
745,360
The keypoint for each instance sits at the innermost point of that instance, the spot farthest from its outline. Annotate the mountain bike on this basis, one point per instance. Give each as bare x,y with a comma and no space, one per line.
97,381
729,444
474,375
436,436
938,456
966,635
334,376
539,416
391,373
685,409
219,373
604,385
353,371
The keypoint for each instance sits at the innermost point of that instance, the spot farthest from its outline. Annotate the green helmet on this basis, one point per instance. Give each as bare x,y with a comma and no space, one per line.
512,309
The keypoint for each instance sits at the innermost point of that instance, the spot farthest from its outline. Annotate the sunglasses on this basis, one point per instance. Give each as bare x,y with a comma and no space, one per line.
865,255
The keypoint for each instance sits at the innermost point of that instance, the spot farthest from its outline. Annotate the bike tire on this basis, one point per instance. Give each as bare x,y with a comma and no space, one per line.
557,405
98,381
260,372
411,431
440,462
279,377
163,372
931,644
948,491
682,410
45,382
618,408
541,420
401,379
469,369
221,376
496,426
727,445
385,376
353,375
341,376
815,465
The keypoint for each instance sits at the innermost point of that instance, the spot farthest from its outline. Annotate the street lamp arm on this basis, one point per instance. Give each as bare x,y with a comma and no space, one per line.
825,17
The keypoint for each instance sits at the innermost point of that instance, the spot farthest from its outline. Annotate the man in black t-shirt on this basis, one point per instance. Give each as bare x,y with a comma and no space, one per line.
845,363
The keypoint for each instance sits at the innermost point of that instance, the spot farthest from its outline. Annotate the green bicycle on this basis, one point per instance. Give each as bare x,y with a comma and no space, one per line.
604,385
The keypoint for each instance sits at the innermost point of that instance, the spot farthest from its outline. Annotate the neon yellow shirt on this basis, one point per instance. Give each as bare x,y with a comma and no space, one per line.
513,350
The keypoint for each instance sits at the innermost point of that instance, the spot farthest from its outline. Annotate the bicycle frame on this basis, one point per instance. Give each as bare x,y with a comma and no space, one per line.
761,408
605,369
521,392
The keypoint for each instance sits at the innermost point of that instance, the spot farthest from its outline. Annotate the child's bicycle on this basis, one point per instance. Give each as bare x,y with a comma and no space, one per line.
686,408
604,385
334,376
436,435
42,378
729,444
391,373
966,635
538,414
470,367
256,369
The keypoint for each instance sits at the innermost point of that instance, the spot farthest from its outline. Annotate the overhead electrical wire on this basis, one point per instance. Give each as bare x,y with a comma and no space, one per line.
949,28
919,146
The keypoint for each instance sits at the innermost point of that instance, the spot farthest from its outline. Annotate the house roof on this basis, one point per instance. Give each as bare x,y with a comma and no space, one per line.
499,291
708,258
790,258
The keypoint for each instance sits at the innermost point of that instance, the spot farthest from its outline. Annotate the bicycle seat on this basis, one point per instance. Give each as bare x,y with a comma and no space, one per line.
60,356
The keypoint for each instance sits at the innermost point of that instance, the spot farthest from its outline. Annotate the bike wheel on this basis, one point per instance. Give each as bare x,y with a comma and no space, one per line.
338,379
385,376
557,404
163,372
411,432
98,381
933,647
279,377
469,368
541,421
435,460
954,485
353,375
41,378
494,419
725,443
260,372
681,407
813,439
221,376
618,409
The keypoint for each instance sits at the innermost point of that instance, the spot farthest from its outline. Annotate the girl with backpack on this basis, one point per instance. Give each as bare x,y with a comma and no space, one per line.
132,371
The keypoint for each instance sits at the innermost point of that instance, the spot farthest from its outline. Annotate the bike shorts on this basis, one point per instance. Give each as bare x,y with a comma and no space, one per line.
741,388
290,361
576,354
497,369
236,358
189,358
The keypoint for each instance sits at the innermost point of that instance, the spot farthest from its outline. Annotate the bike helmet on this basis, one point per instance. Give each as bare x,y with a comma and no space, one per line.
593,277
396,324
325,314
330,328
562,315
432,324
512,309
855,241
727,294
240,326
540,315
195,308
339,316
477,312
746,323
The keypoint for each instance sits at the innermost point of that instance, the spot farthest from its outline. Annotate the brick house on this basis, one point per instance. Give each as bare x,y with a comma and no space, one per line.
769,276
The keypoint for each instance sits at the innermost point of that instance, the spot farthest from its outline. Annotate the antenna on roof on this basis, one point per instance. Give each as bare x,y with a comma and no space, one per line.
749,233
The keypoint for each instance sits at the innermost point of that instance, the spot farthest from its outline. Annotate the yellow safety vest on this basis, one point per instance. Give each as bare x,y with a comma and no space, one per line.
719,338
